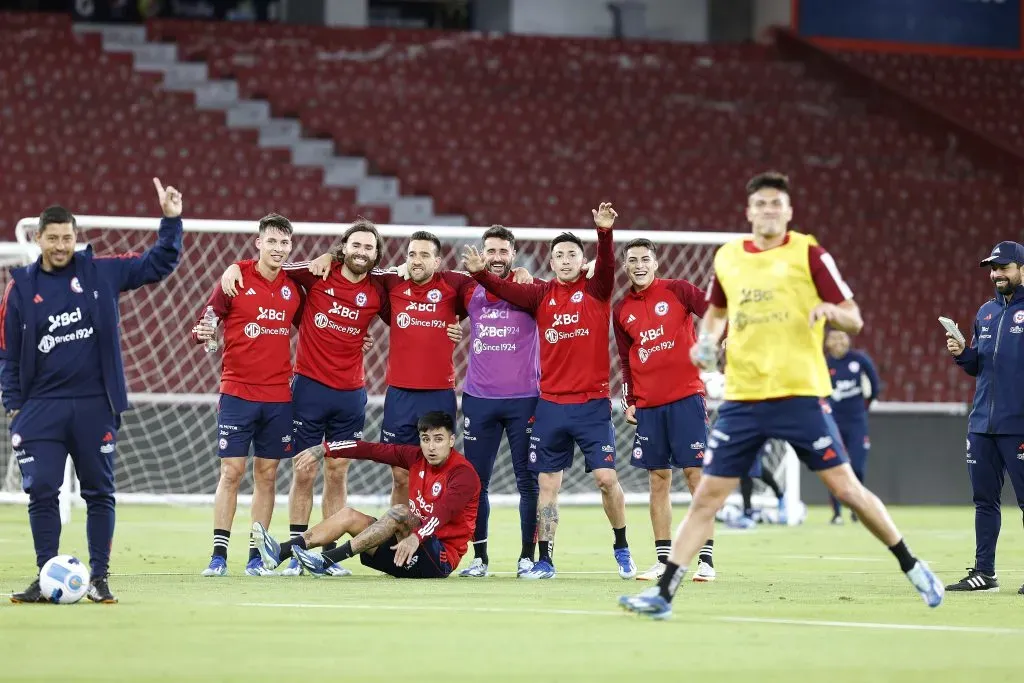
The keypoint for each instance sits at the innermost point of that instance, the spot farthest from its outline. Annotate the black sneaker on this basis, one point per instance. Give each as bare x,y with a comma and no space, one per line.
854,518
30,594
99,591
975,581
1021,591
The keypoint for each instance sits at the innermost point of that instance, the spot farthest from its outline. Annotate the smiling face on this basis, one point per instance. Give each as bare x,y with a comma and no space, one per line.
1006,278
641,267
837,343
57,243
769,212
498,256
423,260
567,261
360,252
274,246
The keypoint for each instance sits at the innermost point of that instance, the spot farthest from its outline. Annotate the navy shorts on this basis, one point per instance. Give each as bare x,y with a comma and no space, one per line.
560,426
739,434
265,426
320,412
429,562
672,435
403,408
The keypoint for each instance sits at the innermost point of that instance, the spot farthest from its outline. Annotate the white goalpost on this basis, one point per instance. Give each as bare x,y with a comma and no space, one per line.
166,451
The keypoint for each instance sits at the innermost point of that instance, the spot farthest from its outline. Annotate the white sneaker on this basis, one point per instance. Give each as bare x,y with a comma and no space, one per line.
705,573
293,568
524,565
476,569
337,570
653,574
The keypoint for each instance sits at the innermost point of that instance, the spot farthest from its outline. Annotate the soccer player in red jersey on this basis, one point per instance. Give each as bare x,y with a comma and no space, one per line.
328,393
424,538
662,392
255,401
572,315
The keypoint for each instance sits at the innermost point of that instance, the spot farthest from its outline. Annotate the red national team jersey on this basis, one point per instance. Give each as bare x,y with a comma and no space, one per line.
654,333
336,316
444,498
420,353
257,327
572,320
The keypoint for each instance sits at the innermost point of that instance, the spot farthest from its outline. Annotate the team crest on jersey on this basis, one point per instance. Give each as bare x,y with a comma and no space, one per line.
854,366
576,297
286,292
223,443
434,295
435,489
638,452
661,308
15,440
1018,317
467,423
76,286
361,299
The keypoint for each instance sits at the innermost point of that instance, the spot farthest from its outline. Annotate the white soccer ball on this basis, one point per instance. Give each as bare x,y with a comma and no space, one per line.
714,385
64,580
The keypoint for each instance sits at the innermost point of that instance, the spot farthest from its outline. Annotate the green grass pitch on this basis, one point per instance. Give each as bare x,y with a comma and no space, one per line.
811,603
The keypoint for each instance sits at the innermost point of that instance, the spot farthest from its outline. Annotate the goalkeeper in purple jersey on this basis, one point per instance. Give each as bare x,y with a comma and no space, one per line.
499,396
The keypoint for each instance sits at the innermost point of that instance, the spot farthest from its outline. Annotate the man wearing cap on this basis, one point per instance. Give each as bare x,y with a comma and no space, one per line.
995,428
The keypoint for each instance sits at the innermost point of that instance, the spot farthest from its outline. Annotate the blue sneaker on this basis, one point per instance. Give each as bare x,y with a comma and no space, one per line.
293,568
255,568
270,550
218,567
311,562
742,522
927,584
627,567
540,570
648,603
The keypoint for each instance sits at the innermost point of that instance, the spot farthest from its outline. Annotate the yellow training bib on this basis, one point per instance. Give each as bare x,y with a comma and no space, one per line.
771,350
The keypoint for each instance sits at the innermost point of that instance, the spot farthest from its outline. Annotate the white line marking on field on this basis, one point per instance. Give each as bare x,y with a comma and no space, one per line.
836,558
872,625
609,613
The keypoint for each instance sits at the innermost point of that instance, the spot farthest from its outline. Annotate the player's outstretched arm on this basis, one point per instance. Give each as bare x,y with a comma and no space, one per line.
527,297
10,350
601,285
131,271
397,455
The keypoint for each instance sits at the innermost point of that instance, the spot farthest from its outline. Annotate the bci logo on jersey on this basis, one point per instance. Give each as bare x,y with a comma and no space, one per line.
416,306
650,335
343,311
65,319
270,314
566,319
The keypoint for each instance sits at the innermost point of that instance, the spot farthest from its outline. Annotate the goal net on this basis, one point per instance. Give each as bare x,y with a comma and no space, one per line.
167,444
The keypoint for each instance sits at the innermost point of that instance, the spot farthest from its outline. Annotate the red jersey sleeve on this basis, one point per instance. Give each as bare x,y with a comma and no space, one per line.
463,284
600,286
463,484
830,284
300,275
221,303
385,301
386,279
386,453
715,295
623,343
527,297
689,295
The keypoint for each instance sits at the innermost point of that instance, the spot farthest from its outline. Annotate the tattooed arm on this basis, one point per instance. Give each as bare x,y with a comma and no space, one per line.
389,454
398,521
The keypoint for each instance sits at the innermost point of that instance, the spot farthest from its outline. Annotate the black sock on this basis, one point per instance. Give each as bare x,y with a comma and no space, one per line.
903,555
670,580
747,491
836,506
545,552
297,530
528,550
330,546
663,549
706,552
339,554
769,479
221,537
286,547
480,551
620,538
253,552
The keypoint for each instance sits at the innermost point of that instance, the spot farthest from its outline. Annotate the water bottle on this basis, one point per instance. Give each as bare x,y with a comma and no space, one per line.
210,318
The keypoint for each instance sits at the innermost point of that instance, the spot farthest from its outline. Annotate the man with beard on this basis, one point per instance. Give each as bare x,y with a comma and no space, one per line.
995,428
500,395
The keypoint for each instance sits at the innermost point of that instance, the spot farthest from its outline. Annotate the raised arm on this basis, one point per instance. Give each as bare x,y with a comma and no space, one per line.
10,349
601,285
131,271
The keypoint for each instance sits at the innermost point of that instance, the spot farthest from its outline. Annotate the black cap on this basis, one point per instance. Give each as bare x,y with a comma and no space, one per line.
1004,253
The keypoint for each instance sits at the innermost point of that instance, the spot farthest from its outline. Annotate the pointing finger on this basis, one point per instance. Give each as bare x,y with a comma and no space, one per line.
159,186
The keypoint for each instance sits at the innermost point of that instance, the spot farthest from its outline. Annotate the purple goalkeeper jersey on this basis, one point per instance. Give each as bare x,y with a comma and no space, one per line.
504,360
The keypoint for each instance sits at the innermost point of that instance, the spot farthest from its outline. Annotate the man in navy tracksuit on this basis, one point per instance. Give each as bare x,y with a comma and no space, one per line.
995,429
850,401
63,379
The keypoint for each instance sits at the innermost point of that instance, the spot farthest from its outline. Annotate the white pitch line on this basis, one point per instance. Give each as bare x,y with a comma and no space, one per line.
607,613
873,625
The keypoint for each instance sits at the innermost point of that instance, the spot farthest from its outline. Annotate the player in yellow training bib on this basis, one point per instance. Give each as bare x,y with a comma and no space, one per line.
776,290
